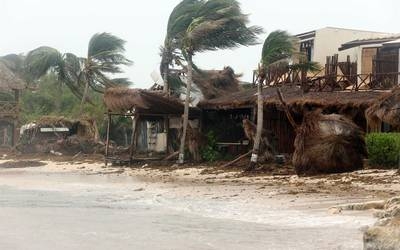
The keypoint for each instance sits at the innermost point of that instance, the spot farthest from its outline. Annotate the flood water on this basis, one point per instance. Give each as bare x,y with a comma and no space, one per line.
75,211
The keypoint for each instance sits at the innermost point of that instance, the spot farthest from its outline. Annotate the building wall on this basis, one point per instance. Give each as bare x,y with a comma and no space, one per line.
328,40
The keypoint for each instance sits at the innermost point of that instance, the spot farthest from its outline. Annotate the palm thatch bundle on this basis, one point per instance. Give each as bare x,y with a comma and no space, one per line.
216,83
328,144
385,109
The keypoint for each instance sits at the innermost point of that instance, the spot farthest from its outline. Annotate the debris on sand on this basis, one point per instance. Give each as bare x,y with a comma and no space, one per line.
60,136
385,234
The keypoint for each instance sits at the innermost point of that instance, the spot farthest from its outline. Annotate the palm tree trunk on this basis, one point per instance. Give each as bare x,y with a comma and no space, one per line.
186,111
85,92
165,78
260,119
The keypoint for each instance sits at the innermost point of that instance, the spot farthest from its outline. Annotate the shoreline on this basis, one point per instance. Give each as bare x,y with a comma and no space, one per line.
283,202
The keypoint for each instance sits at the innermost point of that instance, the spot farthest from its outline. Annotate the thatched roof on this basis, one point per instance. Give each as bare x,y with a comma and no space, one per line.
216,83
8,80
386,108
144,101
295,98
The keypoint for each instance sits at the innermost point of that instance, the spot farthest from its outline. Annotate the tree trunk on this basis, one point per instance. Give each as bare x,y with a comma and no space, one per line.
165,78
85,92
260,119
186,111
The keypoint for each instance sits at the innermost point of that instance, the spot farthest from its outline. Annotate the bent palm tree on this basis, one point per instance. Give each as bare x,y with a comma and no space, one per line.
178,21
104,57
278,48
278,51
217,24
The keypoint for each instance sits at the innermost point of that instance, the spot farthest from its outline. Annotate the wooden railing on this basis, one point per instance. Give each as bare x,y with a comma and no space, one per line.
9,108
332,82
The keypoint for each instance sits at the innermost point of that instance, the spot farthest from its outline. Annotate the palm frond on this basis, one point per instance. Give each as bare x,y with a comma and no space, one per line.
220,24
279,45
39,61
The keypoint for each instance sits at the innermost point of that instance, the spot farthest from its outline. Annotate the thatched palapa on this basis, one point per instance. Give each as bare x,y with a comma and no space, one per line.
143,101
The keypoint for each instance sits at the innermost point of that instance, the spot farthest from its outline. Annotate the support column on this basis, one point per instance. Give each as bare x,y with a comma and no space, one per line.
107,138
135,119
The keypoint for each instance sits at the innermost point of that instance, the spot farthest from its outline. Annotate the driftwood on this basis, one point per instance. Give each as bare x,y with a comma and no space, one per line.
236,160
171,156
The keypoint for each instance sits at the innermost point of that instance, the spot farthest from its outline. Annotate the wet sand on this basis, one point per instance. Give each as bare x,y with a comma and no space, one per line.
88,206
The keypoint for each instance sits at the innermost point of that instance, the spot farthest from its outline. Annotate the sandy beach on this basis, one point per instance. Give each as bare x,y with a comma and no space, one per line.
271,208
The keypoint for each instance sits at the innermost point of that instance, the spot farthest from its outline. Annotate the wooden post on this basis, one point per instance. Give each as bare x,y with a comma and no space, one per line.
108,137
15,132
135,119
166,130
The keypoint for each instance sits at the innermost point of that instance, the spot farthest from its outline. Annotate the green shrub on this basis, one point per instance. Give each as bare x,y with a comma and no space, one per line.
210,152
383,149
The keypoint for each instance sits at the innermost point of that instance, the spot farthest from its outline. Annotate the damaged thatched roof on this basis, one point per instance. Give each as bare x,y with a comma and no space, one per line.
386,108
8,80
216,83
295,97
143,101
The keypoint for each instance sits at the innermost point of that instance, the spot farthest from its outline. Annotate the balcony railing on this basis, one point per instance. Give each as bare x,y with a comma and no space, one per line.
9,108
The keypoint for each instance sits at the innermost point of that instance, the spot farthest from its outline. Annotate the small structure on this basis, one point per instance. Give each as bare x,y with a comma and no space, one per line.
10,88
60,134
156,121
231,109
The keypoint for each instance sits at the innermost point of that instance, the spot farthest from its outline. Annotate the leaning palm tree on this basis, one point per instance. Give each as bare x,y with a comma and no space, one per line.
104,58
217,24
278,49
178,22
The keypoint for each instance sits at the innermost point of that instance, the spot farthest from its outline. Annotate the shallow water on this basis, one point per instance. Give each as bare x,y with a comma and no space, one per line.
74,211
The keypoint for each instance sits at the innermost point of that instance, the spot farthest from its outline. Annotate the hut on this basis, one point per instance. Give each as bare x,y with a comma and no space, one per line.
10,88
231,109
156,121
59,134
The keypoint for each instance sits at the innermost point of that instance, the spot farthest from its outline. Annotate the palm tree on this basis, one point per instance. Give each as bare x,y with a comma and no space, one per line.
178,21
217,24
104,58
278,51
278,48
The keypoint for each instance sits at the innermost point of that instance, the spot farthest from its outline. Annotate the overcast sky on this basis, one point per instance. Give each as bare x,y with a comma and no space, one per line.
68,25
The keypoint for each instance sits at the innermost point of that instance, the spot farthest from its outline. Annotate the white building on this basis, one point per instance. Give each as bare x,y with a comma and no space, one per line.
320,43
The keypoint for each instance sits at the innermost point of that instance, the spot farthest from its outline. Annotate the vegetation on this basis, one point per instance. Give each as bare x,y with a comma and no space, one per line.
54,98
210,151
104,58
383,149
198,26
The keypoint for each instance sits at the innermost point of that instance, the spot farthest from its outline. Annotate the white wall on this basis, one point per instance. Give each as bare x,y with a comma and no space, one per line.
328,40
